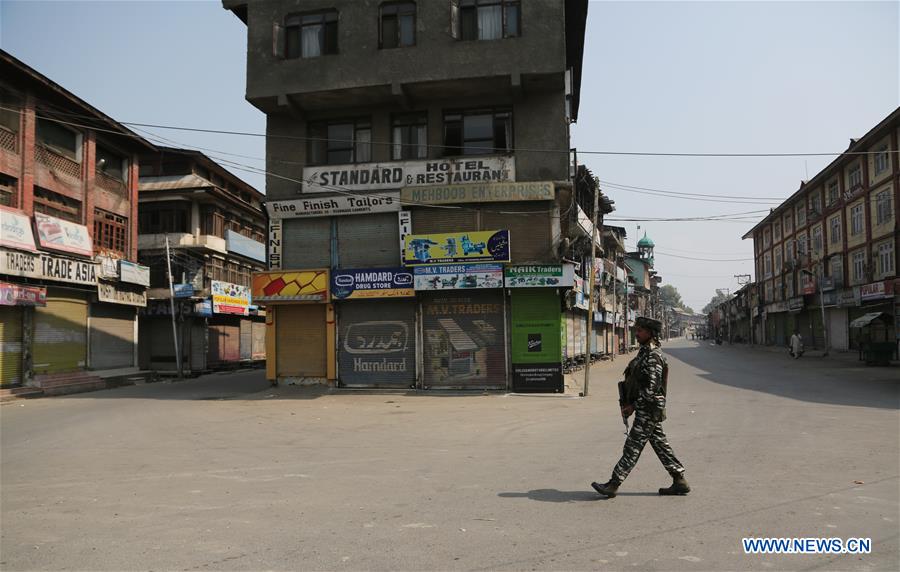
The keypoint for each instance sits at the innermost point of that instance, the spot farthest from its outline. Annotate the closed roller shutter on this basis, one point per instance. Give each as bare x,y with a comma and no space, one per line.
259,341
437,220
582,330
198,345
377,343
464,339
112,336
246,349
300,341
10,345
224,341
368,240
571,347
530,237
307,243
60,333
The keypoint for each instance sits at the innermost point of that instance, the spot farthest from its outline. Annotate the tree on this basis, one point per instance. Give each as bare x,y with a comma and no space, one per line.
669,296
716,300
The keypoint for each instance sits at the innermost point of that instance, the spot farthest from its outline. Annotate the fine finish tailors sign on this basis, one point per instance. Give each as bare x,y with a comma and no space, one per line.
457,247
334,206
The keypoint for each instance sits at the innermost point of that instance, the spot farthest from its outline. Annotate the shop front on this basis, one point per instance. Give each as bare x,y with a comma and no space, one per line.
877,297
114,326
16,310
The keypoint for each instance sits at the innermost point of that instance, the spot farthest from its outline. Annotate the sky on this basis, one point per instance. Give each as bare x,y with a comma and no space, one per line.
694,77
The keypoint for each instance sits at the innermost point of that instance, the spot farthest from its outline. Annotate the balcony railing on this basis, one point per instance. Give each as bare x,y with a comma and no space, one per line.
57,163
9,140
111,184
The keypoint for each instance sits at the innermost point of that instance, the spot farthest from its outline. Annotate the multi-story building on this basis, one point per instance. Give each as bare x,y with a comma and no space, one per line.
833,243
68,245
418,158
215,227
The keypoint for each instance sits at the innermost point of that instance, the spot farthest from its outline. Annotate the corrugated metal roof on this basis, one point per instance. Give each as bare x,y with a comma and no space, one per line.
173,182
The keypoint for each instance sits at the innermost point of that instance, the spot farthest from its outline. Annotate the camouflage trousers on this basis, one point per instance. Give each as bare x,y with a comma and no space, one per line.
645,429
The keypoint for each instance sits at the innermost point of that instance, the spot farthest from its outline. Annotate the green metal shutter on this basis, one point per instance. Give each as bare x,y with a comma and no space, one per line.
306,243
60,333
10,345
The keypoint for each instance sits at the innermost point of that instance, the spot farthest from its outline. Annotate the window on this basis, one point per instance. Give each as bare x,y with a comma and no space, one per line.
489,19
883,211
111,164
161,218
817,240
836,270
789,246
815,203
477,132
776,231
767,238
767,265
779,288
398,25
59,139
777,261
769,293
212,222
788,224
835,223
884,252
789,285
311,35
881,160
859,265
801,244
856,219
832,191
336,143
801,214
409,137
10,115
8,191
854,176
55,204
110,231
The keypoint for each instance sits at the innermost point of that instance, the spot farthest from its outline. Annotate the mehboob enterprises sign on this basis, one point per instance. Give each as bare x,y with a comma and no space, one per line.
397,174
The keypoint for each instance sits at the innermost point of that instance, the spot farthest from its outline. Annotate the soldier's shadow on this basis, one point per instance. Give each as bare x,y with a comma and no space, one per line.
554,495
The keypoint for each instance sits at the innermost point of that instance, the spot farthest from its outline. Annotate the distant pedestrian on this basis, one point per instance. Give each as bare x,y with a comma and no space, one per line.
796,345
645,396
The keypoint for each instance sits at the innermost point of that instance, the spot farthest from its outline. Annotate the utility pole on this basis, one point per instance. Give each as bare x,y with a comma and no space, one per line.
590,324
172,309
615,280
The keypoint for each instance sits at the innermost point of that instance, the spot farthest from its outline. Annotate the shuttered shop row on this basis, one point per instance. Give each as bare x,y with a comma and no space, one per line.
112,336
300,340
377,343
362,241
60,333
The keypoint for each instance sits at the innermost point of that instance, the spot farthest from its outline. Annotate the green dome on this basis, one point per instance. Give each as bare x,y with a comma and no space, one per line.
646,242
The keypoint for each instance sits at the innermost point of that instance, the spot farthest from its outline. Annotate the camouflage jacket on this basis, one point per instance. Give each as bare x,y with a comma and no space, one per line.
644,382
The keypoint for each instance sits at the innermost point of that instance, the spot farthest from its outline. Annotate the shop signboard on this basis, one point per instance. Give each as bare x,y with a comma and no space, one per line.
275,244
134,273
121,294
404,219
239,244
18,295
107,267
457,247
807,283
535,350
58,234
334,206
15,230
290,286
479,193
183,290
203,308
397,174
849,297
876,290
228,298
539,276
372,283
458,276
46,266
795,304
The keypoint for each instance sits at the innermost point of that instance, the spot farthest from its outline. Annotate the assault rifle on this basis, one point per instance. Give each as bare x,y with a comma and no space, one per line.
622,404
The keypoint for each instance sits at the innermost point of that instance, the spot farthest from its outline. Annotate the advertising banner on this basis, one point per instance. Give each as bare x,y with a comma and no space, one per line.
479,193
397,174
334,206
536,351
275,244
876,290
119,294
47,267
203,308
228,298
15,230
58,234
239,244
807,283
372,283
134,273
458,276
183,290
457,247
16,295
539,276
291,286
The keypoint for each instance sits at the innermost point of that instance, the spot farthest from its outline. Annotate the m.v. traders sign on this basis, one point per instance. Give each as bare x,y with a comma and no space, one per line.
334,206
397,174
372,283
47,267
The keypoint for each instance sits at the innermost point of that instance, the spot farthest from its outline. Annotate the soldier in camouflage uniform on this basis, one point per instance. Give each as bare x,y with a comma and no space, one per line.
646,397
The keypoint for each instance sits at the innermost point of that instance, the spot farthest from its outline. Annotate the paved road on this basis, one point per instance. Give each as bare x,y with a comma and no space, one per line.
225,473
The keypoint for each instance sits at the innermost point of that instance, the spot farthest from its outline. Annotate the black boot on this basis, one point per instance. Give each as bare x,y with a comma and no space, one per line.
609,488
679,486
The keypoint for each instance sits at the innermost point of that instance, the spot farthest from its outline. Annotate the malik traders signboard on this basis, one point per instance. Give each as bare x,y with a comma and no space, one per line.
397,174
462,247
47,267
372,283
540,276
479,193
334,206
228,298
458,276
290,286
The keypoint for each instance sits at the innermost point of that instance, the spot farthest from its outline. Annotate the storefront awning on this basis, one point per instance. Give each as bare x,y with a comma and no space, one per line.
865,320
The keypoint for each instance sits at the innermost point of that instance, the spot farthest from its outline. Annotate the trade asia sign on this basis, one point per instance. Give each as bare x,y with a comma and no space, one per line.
397,174
479,193
58,234
371,283
457,247
458,276
15,230
228,298
46,266
290,286
334,206
540,276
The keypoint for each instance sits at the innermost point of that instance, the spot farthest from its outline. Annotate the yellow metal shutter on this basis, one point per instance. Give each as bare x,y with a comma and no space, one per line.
300,341
60,333
10,345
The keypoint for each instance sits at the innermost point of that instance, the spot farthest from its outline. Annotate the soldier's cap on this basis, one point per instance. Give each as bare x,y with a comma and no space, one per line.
648,324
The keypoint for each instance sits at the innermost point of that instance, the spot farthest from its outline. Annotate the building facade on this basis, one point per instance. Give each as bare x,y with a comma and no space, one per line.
833,245
215,226
420,191
68,246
